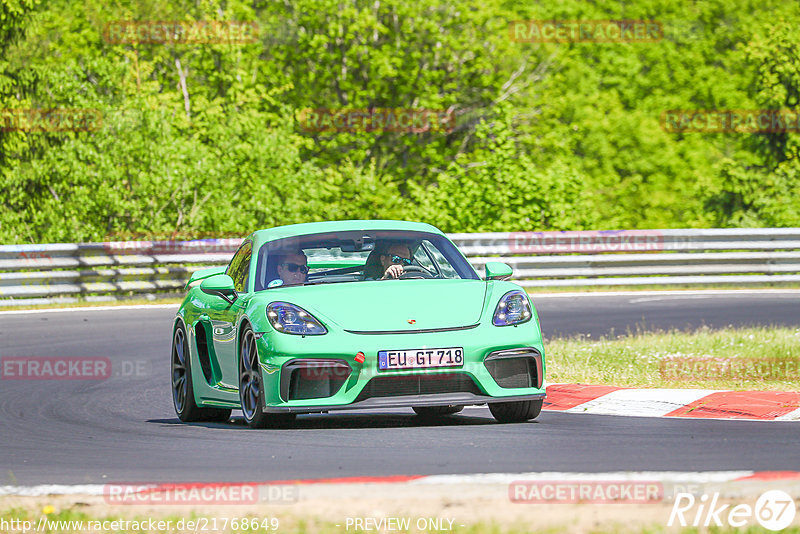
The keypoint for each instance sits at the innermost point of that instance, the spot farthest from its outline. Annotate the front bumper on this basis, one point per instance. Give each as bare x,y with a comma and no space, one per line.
496,360
404,401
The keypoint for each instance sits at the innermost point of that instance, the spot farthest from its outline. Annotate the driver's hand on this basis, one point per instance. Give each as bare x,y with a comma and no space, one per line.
393,271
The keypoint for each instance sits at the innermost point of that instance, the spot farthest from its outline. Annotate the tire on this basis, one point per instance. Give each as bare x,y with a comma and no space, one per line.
516,412
182,388
436,411
251,387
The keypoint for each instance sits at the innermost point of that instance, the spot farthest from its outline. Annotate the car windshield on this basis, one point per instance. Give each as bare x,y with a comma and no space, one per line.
336,257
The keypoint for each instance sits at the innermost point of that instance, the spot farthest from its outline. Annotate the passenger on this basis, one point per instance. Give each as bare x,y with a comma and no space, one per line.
292,269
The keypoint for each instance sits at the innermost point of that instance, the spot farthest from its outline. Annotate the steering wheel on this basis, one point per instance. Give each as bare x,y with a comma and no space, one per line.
415,271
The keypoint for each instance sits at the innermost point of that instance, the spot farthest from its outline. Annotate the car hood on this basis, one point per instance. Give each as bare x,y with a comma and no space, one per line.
390,305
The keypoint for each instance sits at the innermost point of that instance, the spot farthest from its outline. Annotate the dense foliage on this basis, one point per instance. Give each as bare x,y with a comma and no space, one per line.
208,138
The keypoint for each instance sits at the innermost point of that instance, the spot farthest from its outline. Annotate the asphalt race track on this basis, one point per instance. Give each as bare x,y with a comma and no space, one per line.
601,315
123,429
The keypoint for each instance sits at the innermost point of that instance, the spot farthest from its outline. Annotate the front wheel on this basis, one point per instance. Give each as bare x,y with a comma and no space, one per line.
182,388
516,412
251,387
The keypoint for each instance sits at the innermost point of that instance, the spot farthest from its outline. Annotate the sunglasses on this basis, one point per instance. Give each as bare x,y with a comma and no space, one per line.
294,267
400,259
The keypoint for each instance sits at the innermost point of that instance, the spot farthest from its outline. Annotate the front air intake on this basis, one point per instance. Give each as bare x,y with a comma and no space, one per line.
313,379
401,385
515,368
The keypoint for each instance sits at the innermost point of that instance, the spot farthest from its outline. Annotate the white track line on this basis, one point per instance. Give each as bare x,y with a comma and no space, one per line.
791,416
675,293
479,478
94,308
507,478
52,489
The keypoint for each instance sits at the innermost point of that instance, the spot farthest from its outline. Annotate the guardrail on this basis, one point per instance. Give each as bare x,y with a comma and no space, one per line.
31,274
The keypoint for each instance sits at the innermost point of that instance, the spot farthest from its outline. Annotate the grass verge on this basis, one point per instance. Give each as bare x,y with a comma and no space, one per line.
737,359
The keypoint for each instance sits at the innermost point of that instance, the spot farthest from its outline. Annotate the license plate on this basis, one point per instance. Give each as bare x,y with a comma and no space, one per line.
420,358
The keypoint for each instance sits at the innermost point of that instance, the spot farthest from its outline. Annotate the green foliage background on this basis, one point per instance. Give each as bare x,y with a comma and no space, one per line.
548,136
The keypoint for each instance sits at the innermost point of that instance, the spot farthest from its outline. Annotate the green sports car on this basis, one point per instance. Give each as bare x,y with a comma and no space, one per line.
314,317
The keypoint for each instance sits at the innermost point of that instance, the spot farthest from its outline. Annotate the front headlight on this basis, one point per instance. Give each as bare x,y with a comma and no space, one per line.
513,308
291,319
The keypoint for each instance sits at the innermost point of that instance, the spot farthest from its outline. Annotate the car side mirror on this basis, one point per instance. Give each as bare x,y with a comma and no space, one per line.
496,270
220,285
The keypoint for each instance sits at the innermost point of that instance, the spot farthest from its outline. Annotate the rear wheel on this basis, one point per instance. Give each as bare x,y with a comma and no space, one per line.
251,387
516,412
436,411
183,390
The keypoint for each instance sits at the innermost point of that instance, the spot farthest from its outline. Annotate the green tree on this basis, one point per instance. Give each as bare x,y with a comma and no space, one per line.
497,187
759,188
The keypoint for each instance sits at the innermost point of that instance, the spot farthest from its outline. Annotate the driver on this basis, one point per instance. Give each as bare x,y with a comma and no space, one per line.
394,259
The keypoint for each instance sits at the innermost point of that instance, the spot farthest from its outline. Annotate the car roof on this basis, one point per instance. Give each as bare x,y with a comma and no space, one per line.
293,230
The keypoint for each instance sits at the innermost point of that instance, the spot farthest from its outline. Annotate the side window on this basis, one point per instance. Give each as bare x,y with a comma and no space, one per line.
239,268
445,269
240,283
422,258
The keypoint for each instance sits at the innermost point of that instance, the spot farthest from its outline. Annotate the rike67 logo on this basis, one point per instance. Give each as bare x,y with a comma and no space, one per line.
774,510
